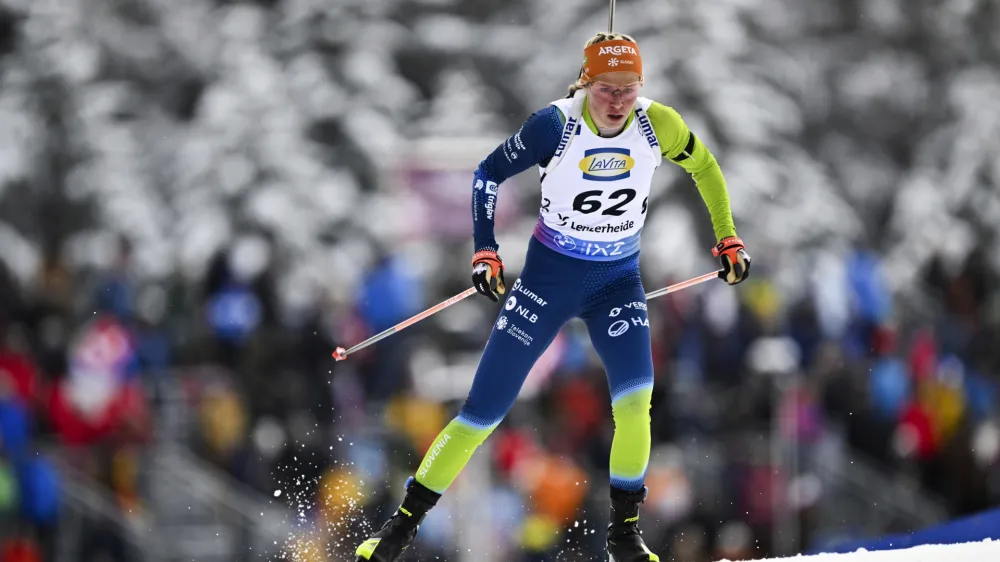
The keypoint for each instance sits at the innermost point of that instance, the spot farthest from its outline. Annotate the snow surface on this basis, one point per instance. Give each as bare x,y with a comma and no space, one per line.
967,552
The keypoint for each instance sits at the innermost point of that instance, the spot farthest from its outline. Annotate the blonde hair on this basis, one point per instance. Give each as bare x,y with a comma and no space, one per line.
599,38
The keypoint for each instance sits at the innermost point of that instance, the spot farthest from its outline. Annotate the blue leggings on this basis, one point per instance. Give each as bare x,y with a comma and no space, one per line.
552,289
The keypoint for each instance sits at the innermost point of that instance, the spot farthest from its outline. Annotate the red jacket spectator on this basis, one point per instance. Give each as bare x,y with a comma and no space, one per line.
100,396
20,373
125,416
20,550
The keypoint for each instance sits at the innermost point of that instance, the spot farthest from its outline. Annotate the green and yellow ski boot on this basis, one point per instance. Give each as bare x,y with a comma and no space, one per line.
389,542
624,541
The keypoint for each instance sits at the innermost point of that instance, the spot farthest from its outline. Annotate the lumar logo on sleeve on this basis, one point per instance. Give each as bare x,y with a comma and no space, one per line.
646,128
567,134
618,50
606,164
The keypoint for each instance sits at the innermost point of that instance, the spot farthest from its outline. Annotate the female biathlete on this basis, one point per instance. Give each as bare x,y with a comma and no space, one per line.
596,150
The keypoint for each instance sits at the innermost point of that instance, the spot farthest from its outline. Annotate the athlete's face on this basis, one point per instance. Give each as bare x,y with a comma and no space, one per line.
611,97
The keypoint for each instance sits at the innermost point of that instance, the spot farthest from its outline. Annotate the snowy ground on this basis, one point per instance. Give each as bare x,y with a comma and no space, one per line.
968,552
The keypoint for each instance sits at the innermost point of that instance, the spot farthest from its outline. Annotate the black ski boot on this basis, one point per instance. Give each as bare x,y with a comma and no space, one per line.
624,542
389,542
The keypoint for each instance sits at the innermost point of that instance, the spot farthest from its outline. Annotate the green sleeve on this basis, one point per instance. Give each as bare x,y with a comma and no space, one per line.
683,148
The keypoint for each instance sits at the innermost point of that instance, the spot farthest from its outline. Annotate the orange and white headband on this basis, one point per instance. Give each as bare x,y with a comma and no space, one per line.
619,55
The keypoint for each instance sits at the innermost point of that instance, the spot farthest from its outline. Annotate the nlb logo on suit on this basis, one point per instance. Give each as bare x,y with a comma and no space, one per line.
606,164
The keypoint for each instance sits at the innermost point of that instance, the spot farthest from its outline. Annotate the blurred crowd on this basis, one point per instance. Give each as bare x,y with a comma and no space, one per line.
204,198
85,355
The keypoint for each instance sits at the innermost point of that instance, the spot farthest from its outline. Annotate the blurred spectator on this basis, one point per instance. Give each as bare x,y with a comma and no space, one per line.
115,294
20,550
417,418
39,492
100,397
890,388
734,541
388,294
18,376
223,426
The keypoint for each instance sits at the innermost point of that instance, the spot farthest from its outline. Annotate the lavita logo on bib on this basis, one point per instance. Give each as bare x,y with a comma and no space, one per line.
606,164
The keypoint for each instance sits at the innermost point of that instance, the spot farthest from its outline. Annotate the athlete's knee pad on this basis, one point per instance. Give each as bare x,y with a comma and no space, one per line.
632,407
477,412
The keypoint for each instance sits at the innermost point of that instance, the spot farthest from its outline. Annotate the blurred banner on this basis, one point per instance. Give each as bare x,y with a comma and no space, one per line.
975,528
435,177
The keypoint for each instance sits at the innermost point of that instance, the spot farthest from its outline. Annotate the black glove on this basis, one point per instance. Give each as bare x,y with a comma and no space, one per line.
487,274
735,259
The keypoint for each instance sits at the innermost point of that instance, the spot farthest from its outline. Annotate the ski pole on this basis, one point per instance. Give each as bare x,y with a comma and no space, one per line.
340,353
683,285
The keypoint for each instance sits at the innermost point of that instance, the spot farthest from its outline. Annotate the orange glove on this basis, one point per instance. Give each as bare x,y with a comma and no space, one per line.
487,267
735,259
